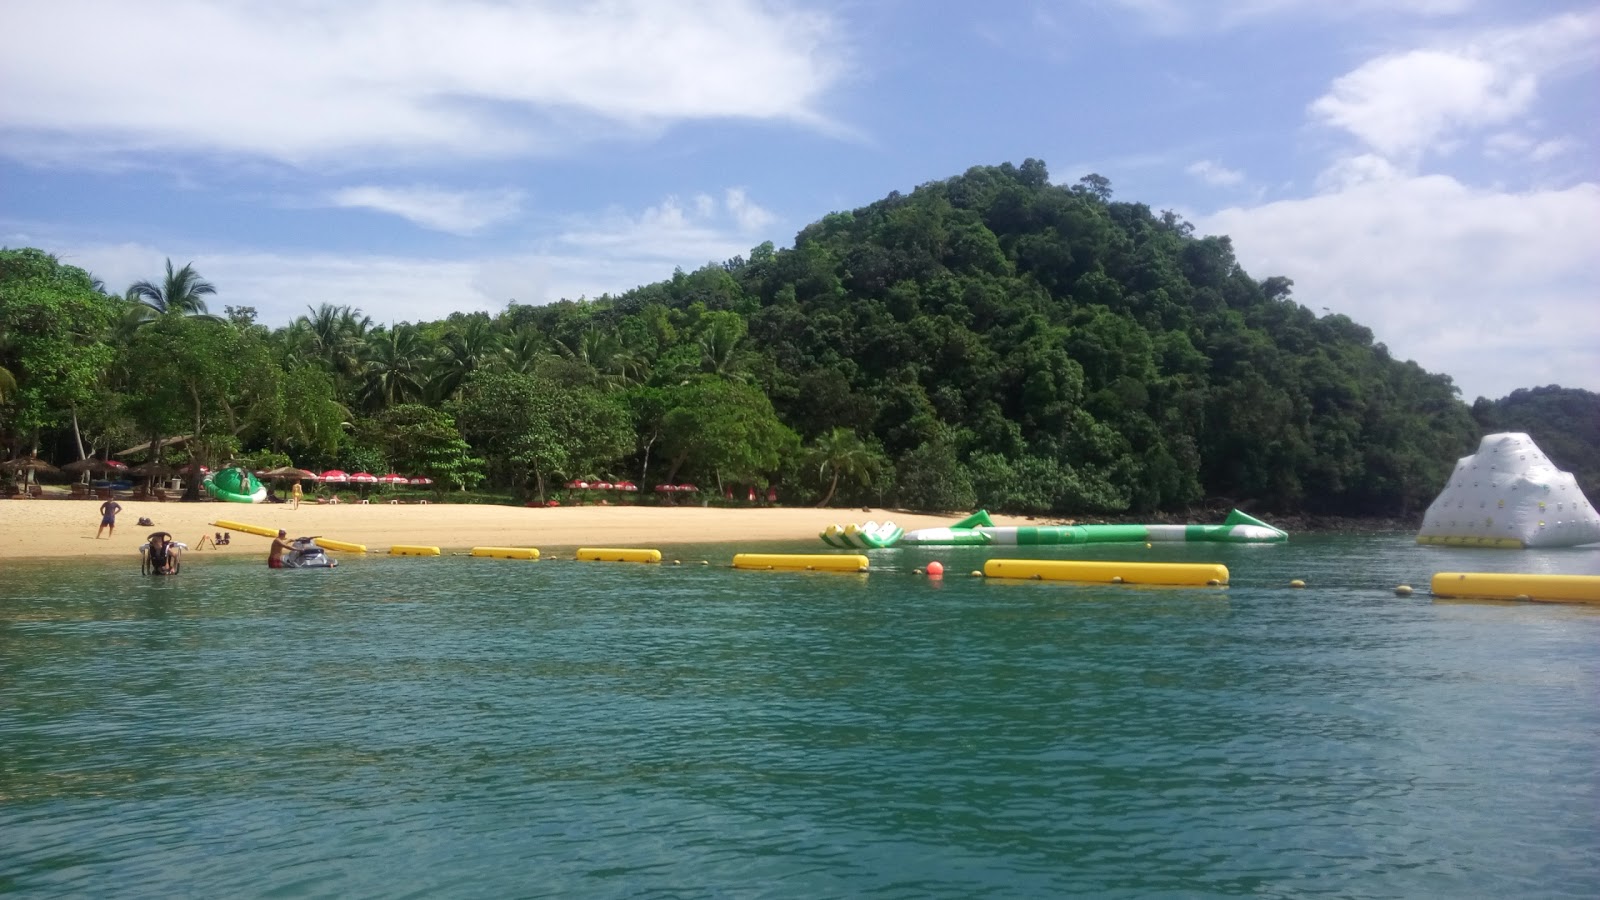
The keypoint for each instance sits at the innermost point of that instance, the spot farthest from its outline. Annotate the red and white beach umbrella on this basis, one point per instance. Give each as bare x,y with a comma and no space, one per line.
665,488
393,478
687,487
578,484
601,485
335,476
422,480
626,486
363,478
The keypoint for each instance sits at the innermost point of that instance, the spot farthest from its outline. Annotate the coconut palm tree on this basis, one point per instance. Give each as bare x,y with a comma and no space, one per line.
394,366
841,454
179,292
462,350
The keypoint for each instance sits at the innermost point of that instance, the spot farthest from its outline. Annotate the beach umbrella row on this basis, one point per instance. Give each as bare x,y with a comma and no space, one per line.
581,485
676,488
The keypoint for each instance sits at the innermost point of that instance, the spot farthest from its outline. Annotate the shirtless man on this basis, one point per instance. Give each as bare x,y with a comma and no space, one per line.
279,545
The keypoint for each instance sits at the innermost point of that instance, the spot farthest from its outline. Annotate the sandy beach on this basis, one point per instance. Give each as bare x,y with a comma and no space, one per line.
50,528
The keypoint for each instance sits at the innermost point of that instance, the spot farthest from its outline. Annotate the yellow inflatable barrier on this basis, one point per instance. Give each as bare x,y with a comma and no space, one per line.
225,525
618,554
506,552
1107,572
821,562
1512,586
347,547
412,550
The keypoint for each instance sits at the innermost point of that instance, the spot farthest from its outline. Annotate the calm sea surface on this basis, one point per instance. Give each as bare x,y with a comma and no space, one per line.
487,728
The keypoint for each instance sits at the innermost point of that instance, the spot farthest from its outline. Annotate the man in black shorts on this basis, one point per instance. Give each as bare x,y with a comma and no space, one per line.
108,517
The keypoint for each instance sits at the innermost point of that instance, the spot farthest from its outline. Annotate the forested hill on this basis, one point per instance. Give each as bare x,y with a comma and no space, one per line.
1565,422
990,340
1022,345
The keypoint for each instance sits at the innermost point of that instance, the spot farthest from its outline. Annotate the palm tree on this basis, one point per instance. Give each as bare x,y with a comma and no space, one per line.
393,366
841,454
461,351
720,353
602,351
179,292
522,350
333,336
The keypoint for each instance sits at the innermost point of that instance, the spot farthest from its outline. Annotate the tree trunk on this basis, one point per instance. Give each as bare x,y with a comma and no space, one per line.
831,488
78,435
191,491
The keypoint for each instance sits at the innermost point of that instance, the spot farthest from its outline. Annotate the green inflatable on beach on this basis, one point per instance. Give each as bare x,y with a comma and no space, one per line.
236,486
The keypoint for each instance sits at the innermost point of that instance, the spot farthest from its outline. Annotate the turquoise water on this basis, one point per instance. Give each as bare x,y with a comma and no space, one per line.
488,728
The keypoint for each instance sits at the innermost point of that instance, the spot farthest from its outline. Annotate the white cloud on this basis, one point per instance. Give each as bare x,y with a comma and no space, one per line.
1212,172
1404,105
1495,289
346,82
1512,145
587,256
745,212
456,212
1180,16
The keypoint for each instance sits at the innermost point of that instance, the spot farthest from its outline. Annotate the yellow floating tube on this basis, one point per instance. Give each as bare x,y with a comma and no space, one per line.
1107,572
1512,586
821,562
618,554
412,550
506,552
347,547
225,525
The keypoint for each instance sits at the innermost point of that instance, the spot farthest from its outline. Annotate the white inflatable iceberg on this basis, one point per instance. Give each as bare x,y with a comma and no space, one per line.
1509,494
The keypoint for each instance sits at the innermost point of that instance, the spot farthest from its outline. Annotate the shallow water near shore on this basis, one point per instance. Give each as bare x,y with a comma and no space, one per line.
475,727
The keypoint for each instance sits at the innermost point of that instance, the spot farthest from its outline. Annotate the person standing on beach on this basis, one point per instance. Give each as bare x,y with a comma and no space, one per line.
279,544
294,496
108,517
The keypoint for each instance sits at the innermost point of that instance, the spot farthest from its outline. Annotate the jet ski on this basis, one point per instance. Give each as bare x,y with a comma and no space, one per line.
164,560
305,554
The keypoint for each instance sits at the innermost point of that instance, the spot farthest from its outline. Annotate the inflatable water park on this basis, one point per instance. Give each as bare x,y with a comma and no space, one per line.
978,530
1510,495
235,485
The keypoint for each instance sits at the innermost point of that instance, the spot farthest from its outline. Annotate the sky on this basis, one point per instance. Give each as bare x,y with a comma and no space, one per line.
1426,167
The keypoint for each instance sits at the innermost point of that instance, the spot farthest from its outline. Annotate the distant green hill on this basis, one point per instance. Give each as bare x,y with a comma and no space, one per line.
1564,422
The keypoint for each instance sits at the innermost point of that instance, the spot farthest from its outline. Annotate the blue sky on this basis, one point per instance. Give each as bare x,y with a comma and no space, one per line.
1427,167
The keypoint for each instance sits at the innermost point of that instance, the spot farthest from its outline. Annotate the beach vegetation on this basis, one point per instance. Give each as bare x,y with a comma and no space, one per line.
992,338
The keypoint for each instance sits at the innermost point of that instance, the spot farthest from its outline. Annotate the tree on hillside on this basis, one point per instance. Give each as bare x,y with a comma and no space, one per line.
841,454
221,379
53,355
181,291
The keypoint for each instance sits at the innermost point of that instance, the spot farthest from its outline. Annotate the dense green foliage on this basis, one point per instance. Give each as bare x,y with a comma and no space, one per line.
1564,422
992,339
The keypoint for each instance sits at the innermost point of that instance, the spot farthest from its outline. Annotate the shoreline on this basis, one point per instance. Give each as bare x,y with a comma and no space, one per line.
65,529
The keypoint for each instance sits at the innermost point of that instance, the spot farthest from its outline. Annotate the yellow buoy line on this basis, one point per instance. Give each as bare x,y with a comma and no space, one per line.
618,554
1516,586
1109,571
813,562
1527,587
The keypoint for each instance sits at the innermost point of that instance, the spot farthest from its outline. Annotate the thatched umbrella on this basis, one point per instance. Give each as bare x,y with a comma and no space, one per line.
27,465
153,470
95,465
289,473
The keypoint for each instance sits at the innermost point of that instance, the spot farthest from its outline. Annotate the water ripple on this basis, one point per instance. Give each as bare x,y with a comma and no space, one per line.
465,727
